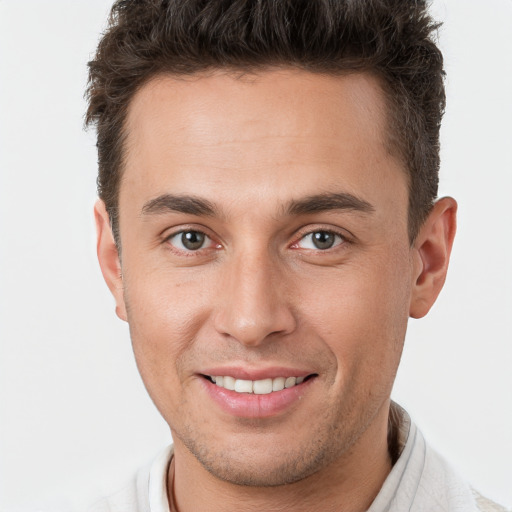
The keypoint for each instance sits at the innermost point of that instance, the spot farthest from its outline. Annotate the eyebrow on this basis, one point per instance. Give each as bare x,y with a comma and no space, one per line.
180,204
192,205
329,201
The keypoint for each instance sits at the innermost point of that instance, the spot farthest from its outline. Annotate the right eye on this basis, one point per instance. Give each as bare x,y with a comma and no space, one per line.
190,240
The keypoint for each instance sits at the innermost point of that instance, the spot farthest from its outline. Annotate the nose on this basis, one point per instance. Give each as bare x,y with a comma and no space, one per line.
253,303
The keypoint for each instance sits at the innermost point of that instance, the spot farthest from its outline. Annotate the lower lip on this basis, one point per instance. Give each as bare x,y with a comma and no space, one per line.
250,405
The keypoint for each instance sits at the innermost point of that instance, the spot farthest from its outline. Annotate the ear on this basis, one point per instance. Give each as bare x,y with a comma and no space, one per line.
432,250
108,257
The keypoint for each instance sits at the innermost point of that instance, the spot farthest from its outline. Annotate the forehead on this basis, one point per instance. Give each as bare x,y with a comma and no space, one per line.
266,89
292,129
212,108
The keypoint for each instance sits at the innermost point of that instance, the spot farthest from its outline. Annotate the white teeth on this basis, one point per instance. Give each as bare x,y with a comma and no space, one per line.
290,382
278,383
258,387
229,383
262,387
243,386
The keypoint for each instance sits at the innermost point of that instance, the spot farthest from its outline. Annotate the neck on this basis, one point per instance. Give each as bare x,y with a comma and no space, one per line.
349,484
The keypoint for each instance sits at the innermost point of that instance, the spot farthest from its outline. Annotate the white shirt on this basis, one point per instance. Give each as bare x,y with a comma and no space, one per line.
147,492
420,481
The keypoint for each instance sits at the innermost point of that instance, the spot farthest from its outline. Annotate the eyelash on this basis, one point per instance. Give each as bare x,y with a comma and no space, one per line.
343,239
184,250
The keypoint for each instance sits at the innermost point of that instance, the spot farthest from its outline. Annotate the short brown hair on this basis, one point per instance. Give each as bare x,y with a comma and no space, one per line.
392,39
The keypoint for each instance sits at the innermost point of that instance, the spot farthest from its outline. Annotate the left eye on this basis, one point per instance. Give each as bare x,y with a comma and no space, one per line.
320,240
189,240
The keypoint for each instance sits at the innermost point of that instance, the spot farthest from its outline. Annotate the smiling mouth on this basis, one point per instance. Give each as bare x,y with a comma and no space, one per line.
257,387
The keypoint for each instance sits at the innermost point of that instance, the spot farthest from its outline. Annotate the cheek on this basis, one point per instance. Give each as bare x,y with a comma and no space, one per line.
164,315
361,314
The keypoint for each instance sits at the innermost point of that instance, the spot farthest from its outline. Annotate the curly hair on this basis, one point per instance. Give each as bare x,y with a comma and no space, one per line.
394,40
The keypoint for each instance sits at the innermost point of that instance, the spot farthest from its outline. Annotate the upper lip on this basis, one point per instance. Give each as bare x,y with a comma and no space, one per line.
245,373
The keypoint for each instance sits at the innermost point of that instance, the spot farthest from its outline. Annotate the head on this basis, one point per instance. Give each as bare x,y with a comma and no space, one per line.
390,39
269,171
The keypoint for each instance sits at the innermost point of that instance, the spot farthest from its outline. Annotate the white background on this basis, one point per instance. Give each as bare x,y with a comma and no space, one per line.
75,420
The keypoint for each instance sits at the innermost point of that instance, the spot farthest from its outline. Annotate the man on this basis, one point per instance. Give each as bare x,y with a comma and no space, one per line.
267,223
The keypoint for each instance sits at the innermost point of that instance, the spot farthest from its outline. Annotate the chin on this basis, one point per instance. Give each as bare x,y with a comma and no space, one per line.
264,460
263,472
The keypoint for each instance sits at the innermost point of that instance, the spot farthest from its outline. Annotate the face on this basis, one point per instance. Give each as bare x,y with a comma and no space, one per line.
263,225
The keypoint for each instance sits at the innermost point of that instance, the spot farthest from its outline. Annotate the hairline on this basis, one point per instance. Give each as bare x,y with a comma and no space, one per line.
390,139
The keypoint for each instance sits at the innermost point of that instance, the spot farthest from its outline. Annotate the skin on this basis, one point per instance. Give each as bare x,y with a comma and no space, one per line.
258,294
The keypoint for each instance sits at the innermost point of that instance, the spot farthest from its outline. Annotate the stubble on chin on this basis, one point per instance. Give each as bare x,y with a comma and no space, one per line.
331,439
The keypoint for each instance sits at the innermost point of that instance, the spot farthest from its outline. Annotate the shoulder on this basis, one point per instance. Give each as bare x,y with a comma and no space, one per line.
486,505
146,492
124,500
442,480
422,480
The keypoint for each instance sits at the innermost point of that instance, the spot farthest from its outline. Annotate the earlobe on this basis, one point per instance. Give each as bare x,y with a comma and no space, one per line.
432,250
108,257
